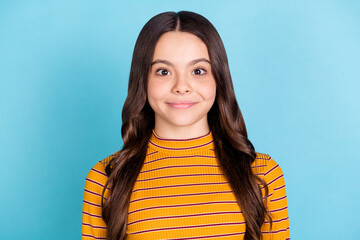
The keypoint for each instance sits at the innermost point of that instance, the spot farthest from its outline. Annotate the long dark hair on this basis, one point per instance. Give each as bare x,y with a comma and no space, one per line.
232,147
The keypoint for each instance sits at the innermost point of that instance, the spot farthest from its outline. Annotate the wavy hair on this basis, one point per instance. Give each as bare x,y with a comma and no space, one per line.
232,146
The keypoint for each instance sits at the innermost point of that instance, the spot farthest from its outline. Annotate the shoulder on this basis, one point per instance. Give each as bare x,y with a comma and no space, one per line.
97,172
262,161
104,162
265,166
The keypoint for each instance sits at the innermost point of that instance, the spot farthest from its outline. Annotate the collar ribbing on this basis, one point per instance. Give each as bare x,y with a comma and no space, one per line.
182,146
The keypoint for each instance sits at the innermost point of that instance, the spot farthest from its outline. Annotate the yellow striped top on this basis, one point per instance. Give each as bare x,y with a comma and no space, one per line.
181,193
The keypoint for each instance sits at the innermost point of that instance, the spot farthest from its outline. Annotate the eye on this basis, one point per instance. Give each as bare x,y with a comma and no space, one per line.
199,71
162,72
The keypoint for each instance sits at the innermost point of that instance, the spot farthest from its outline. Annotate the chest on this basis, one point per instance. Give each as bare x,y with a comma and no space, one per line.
182,198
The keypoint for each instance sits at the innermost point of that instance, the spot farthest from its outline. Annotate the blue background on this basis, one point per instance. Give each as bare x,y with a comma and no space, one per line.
64,67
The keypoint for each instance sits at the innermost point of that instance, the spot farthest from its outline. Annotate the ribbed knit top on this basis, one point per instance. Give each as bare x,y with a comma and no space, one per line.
182,146
182,193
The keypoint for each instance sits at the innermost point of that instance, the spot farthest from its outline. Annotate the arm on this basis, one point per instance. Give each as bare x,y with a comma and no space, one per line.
93,226
277,203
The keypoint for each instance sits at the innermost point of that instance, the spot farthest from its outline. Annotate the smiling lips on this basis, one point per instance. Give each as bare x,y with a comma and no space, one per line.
181,105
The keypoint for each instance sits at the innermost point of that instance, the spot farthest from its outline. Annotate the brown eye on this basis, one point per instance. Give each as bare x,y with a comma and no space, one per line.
162,72
199,71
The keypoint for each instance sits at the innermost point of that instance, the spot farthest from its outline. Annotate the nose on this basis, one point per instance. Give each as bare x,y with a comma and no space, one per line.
181,85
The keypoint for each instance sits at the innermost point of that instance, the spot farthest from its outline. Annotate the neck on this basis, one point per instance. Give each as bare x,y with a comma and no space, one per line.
181,132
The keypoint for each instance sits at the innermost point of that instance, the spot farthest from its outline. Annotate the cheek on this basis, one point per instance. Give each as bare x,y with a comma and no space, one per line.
208,91
155,91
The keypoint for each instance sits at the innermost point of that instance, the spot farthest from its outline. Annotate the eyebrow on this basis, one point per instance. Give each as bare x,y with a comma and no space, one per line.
190,63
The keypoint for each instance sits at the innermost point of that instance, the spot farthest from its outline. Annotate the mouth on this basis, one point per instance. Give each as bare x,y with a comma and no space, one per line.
181,105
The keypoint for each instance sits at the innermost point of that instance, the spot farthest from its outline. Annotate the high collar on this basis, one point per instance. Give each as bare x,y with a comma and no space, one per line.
182,146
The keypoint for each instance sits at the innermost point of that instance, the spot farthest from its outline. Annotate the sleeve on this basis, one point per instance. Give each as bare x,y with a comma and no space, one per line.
93,226
277,203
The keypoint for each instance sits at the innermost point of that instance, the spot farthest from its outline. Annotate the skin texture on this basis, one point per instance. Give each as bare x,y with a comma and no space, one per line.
175,80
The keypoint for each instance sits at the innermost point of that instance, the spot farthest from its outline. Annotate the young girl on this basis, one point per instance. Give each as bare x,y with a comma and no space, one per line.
187,169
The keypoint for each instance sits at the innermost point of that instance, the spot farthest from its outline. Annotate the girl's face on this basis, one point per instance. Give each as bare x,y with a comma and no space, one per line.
181,88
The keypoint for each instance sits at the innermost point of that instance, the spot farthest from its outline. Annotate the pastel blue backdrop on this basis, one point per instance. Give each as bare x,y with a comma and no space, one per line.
64,67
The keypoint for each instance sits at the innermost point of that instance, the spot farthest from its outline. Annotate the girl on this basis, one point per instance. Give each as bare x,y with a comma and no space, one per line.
187,169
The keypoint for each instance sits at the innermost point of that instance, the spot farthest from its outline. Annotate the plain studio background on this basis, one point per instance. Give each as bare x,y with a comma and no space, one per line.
64,67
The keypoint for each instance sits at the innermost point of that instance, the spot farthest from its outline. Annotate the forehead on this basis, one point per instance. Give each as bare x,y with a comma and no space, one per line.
179,46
